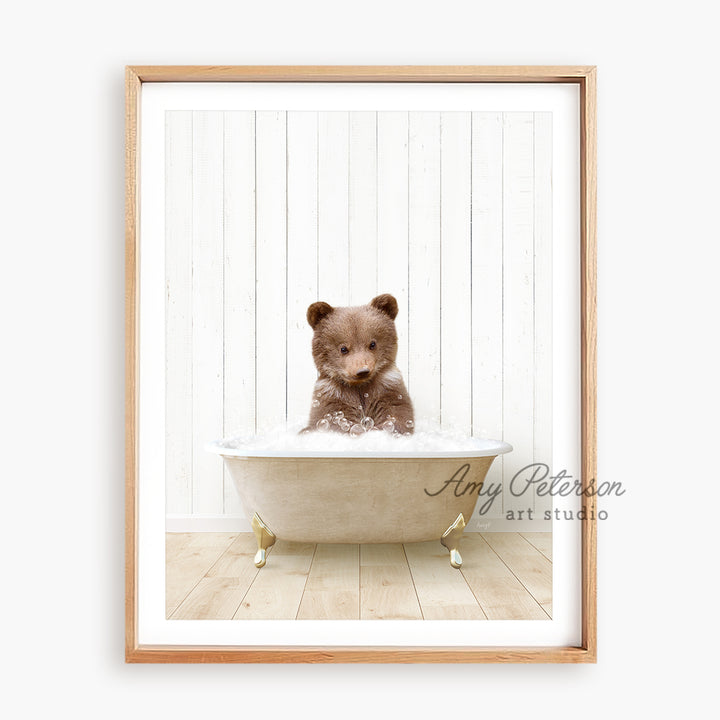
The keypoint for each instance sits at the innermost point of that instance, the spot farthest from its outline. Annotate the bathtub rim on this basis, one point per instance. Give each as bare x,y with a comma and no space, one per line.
491,448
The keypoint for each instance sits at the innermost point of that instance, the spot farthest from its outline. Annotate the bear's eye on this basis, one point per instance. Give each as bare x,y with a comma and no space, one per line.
344,350
372,345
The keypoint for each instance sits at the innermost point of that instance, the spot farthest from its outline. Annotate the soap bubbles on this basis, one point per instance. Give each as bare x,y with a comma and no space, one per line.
316,403
365,425
409,424
426,437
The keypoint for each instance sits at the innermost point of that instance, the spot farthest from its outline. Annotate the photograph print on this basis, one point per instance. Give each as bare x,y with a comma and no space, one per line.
358,364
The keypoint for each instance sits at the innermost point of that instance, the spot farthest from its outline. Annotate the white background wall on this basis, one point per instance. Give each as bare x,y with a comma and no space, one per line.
61,365
269,211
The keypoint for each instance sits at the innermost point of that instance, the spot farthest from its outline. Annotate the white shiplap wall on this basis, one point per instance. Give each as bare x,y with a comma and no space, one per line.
267,212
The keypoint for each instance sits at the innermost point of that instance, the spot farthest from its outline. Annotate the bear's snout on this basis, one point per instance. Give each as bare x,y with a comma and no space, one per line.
360,369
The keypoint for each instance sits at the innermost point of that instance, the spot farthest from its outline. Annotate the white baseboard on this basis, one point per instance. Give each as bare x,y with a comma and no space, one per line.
239,523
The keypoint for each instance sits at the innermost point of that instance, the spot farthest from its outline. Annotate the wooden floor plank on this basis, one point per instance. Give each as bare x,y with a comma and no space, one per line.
441,589
175,542
238,557
186,563
504,576
527,563
277,589
218,595
387,591
500,594
382,554
541,540
213,598
332,591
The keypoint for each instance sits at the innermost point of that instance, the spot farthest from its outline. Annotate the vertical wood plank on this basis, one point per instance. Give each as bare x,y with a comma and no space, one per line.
302,259
542,541
333,142
278,588
239,284
500,594
487,287
178,312
518,333
362,208
528,564
392,179
271,264
386,587
588,347
424,264
332,590
542,304
456,269
217,595
187,562
207,302
441,590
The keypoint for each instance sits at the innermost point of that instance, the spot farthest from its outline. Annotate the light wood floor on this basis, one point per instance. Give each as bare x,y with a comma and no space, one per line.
505,576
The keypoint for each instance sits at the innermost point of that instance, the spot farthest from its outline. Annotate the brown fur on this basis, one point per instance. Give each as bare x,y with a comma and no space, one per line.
378,391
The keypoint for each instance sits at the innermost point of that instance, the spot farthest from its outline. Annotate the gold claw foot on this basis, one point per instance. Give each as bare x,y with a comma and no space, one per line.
451,540
265,539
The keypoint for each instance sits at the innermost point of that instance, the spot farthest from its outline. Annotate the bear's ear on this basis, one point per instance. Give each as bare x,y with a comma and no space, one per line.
387,304
317,311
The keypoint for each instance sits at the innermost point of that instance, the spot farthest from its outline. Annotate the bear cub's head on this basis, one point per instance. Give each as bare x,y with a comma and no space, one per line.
354,345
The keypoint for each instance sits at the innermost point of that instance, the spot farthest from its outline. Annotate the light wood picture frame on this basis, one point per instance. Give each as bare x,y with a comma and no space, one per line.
584,78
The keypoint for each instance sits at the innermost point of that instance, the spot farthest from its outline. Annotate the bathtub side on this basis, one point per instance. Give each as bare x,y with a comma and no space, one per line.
335,500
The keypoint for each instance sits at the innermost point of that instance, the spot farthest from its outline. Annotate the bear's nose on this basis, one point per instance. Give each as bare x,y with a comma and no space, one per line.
363,372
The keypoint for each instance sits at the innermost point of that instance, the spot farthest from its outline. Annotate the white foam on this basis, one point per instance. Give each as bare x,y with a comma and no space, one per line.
427,441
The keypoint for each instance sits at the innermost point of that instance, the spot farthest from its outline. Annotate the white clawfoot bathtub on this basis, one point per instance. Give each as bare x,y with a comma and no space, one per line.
359,497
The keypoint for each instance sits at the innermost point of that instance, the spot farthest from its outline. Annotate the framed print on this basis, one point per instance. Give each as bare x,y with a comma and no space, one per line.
360,356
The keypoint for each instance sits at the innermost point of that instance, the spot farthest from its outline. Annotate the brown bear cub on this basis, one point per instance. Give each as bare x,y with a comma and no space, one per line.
359,388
